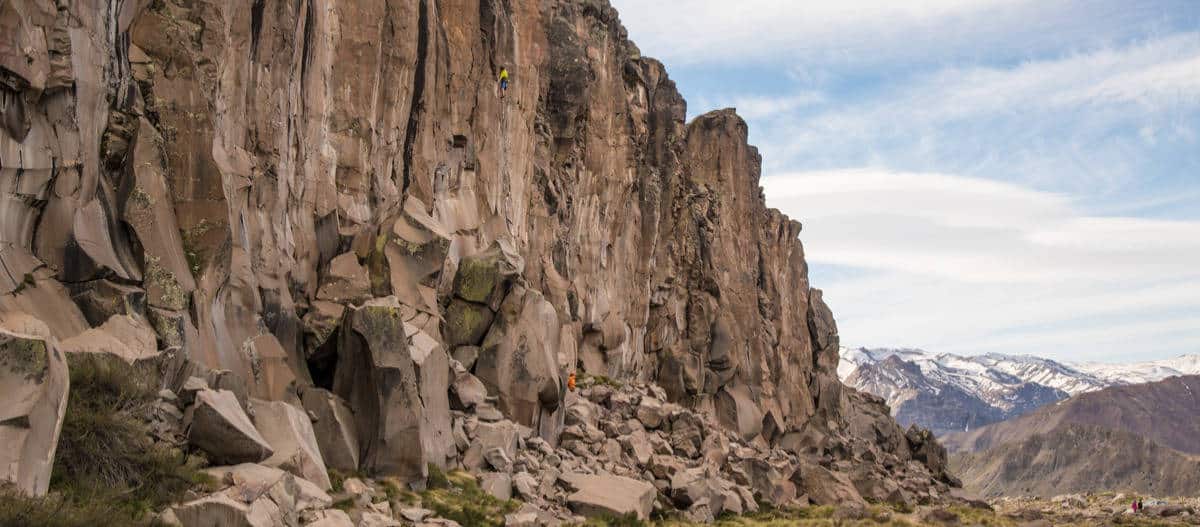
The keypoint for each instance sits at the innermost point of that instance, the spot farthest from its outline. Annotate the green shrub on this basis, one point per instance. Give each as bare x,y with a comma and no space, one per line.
55,510
626,520
463,501
105,451
436,478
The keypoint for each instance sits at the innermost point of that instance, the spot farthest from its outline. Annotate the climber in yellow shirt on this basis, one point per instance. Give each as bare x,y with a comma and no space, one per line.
503,80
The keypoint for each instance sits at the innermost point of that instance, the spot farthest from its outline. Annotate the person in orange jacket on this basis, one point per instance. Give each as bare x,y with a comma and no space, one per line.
571,381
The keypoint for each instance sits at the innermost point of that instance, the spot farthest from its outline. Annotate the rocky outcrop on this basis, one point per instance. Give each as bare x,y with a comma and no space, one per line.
34,383
335,196
218,426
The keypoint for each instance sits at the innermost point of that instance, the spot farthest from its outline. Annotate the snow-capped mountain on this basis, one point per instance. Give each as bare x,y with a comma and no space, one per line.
1142,372
946,392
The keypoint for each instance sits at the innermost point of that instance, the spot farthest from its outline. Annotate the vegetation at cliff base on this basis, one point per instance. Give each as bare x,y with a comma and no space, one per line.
108,469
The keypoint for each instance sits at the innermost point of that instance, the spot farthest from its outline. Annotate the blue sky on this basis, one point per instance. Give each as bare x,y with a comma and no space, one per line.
973,175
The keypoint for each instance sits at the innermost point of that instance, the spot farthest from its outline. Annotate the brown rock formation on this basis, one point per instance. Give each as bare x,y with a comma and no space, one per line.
336,194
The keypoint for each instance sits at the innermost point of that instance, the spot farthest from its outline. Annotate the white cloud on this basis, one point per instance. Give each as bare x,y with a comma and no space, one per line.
1084,121
765,107
960,264
870,31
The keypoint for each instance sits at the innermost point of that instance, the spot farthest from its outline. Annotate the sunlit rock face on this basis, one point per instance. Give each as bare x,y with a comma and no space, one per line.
338,195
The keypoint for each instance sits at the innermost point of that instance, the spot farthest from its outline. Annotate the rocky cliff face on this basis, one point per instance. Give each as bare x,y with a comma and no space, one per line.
284,195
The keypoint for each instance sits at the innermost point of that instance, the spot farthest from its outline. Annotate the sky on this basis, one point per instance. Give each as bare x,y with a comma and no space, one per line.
973,176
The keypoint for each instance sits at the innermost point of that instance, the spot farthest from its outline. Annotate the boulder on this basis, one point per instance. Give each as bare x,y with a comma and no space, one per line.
652,413
123,336
249,482
483,278
926,449
398,390
375,519
294,444
220,427
637,445
498,459
497,484
738,411
334,428
525,485
415,514
825,487
502,435
100,300
466,323
416,249
346,282
518,360
467,391
599,495
221,510
771,485
466,355
329,518
33,387
696,485
687,433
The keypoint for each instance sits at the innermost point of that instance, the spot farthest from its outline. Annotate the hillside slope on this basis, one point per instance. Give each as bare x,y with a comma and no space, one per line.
1142,437
1166,412
1076,458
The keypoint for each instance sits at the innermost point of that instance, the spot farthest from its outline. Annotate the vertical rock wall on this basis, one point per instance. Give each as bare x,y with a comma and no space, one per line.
337,194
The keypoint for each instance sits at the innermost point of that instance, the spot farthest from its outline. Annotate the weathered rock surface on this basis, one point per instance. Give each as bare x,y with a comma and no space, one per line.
34,384
609,495
384,378
219,426
334,428
293,443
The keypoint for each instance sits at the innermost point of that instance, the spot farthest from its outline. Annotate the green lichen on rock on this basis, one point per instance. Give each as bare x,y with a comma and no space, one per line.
190,238
167,326
466,323
24,356
378,269
163,287
476,279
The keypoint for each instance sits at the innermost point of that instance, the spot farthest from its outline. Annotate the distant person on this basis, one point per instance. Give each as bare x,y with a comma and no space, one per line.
1140,506
503,80
571,381
1133,506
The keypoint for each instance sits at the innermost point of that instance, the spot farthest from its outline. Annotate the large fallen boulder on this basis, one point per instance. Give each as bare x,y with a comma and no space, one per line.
247,482
600,495
738,411
223,511
33,388
220,427
825,487
334,428
386,380
518,360
290,433
124,336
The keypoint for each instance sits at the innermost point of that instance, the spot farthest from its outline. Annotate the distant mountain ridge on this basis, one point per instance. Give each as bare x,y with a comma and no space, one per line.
950,393
1141,437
